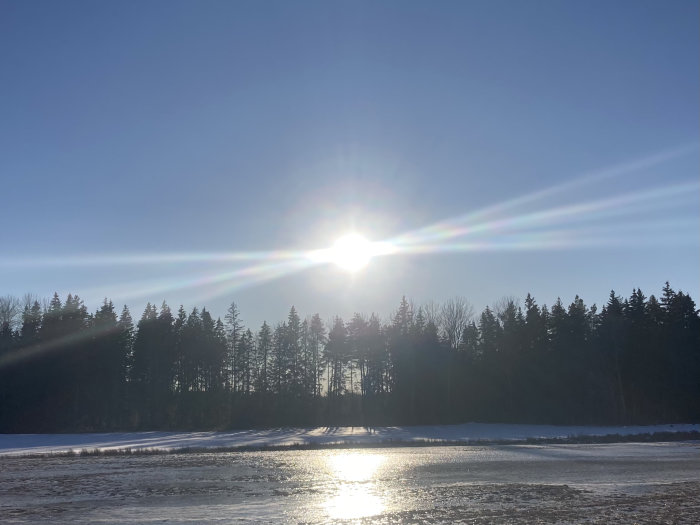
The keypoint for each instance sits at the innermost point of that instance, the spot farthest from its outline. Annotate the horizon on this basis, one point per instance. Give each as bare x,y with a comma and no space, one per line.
472,311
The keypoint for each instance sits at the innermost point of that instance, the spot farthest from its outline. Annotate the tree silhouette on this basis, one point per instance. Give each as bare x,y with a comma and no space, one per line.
635,361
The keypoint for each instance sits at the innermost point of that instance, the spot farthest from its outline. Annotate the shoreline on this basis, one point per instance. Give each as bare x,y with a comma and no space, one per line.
656,437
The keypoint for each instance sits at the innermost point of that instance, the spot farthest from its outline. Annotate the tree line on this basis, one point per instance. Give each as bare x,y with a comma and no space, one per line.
637,360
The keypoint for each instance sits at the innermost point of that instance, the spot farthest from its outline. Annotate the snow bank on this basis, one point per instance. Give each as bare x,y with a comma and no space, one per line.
22,444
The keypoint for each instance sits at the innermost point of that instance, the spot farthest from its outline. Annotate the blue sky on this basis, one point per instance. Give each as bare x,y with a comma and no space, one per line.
198,127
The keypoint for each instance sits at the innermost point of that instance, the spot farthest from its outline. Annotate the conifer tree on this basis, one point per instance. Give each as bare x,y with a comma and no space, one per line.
263,356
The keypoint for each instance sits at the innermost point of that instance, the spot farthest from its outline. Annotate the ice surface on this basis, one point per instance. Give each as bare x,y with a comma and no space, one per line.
22,444
516,484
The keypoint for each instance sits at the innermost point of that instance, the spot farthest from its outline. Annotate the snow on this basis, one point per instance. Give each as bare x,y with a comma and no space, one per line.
23,444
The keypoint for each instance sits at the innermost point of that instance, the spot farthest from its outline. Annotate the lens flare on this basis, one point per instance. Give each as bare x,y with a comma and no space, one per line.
438,231
647,216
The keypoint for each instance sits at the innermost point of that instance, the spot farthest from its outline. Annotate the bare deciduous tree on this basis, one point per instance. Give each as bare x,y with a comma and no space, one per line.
431,312
505,303
10,311
455,314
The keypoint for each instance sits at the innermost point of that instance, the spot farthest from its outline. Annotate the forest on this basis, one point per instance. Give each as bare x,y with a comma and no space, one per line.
636,360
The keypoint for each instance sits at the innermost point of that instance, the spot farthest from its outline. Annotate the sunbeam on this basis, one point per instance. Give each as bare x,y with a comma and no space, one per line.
442,229
54,345
625,235
235,279
621,205
149,258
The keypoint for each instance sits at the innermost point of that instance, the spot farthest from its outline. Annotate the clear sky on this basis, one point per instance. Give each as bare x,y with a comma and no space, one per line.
133,131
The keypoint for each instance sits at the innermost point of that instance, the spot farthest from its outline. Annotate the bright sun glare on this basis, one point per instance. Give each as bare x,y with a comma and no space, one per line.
351,252
354,477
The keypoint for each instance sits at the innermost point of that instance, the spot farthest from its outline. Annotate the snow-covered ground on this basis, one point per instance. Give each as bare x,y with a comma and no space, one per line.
22,444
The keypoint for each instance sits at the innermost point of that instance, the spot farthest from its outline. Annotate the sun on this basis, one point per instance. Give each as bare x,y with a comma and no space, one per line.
351,252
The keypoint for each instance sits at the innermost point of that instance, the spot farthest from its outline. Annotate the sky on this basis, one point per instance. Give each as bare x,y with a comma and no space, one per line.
198,152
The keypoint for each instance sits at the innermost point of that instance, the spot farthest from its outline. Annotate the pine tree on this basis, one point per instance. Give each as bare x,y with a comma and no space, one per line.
278,360
235,329
144,370
612,339
316,343
180,373
336,351
247,343
107,357
263,355
292,351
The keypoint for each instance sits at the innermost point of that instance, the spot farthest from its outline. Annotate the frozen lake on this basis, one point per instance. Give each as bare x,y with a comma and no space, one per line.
631,482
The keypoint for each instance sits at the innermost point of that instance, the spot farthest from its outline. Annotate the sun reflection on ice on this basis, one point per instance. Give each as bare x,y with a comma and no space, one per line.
356,495
355,466
354,503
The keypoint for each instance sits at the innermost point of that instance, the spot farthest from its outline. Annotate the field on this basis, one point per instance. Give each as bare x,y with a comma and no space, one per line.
513,483
470,433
